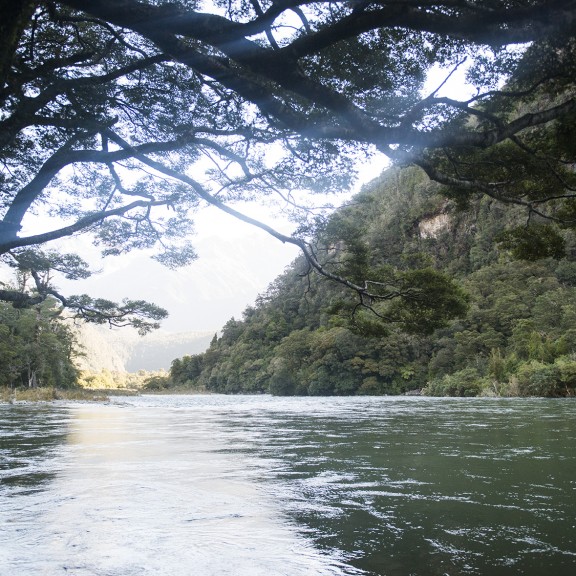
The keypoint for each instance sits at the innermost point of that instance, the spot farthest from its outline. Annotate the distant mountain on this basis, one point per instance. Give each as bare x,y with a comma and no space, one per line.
229,273
122,350
157,351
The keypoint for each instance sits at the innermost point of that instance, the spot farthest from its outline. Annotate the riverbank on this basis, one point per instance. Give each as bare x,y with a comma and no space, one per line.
50,393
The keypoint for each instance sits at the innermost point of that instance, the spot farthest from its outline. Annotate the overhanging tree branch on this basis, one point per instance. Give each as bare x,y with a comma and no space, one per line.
80,225
164,85
364,292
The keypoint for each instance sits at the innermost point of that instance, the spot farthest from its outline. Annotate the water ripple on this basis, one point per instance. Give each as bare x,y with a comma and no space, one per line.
216,485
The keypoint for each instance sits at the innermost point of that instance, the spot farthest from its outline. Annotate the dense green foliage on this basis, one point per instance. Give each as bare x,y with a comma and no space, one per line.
516,336
36,349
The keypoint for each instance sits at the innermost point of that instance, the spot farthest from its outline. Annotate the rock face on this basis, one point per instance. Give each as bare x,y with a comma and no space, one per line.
431,227
122,350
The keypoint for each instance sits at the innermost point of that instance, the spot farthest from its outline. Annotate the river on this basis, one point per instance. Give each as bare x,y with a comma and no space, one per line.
263,486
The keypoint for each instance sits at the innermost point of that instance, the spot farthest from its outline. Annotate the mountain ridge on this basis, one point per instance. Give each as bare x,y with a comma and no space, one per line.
123,350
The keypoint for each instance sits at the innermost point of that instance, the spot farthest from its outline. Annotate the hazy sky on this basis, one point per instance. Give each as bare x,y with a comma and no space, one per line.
236,262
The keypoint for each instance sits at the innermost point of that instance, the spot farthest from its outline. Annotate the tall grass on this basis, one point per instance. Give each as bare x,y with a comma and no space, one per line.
48,394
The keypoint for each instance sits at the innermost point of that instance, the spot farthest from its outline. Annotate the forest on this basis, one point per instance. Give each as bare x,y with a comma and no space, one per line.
514,334
121,121
35,348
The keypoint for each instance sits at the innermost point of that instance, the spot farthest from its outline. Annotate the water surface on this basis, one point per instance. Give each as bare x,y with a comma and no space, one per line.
216,485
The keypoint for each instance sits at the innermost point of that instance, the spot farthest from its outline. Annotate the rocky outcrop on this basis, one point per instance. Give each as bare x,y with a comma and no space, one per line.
431,227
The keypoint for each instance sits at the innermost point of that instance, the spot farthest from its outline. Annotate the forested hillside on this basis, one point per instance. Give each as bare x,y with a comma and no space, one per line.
512,331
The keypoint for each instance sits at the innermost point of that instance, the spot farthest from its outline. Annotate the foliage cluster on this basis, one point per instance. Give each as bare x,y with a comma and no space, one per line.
514,336
36,348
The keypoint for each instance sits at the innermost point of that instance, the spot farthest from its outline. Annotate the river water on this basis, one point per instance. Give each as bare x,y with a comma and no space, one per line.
262,486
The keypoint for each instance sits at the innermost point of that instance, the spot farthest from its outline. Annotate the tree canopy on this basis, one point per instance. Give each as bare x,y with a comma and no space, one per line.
121,118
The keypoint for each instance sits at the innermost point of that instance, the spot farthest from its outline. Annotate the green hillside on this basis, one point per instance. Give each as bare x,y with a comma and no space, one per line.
484,321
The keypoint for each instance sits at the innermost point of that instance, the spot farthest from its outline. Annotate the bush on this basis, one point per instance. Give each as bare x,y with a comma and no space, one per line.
567,370
320,387
467,382
538,379
157,382
282,383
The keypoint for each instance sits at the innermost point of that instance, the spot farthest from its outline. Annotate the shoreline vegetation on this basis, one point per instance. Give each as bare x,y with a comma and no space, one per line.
52,394
87,386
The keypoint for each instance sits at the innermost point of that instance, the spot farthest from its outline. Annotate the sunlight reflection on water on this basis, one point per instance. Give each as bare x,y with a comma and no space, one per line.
140,492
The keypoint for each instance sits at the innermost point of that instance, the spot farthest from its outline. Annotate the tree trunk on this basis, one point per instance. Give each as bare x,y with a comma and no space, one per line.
32,379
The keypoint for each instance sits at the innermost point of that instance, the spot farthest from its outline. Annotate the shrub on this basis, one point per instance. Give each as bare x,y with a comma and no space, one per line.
567,374
538,379
157,382
467,382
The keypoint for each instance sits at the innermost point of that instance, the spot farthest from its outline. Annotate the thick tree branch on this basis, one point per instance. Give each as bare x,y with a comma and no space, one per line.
20,299
346,121
22,202
79,226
